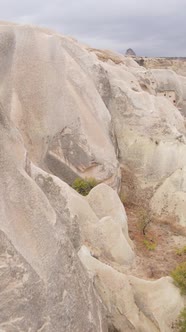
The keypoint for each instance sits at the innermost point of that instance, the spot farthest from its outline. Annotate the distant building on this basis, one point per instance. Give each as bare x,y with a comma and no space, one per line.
130,52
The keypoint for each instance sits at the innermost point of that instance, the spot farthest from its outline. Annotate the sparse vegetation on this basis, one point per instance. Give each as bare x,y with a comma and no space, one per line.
123,198
179,276
144,220
83,186
181,251
182,321
149,244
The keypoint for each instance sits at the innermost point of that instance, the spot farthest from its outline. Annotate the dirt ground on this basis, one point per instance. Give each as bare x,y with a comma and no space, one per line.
163,239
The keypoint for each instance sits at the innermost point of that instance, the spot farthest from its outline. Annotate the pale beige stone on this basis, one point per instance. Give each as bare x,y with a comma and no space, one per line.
67,111
59,112
134,304
170,198
105,202
102,233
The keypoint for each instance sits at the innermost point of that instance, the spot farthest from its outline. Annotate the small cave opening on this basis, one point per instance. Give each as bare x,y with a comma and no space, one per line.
144,87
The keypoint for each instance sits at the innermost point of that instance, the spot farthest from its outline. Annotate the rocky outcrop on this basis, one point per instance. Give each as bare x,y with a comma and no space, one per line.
42,281
173,63
134,304
130,52
55,114
149,128
106,233
170,197
66,111
43,284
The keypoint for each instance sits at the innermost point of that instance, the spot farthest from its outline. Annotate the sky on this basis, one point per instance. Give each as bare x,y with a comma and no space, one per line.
150,28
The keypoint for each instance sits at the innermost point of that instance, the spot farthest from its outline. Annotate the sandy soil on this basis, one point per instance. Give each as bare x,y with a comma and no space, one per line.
167,237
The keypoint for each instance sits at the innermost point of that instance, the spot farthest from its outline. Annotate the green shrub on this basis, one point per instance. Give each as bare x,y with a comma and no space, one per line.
150,245
83,186
182,321
179,276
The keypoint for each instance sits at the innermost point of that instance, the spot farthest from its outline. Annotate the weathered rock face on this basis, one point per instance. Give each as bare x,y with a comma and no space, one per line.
150,130
42,280
43,283
170,85
176,64
136,304
106,234
66,110
105,202
170,197
59,303
59,112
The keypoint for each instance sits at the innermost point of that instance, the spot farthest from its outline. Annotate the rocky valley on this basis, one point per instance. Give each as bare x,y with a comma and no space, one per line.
100,262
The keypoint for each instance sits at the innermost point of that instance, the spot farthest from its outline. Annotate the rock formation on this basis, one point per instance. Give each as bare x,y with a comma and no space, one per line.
130,52
147,109
134,304
175,63
66,110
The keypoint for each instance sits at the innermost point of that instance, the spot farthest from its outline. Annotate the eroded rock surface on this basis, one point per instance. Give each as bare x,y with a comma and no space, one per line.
66,111
134,304
147,110
59,113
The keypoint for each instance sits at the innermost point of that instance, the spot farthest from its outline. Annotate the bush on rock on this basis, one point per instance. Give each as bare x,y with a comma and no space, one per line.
83,186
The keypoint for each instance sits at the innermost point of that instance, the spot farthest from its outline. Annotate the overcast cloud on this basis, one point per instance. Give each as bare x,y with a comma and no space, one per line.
151,28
